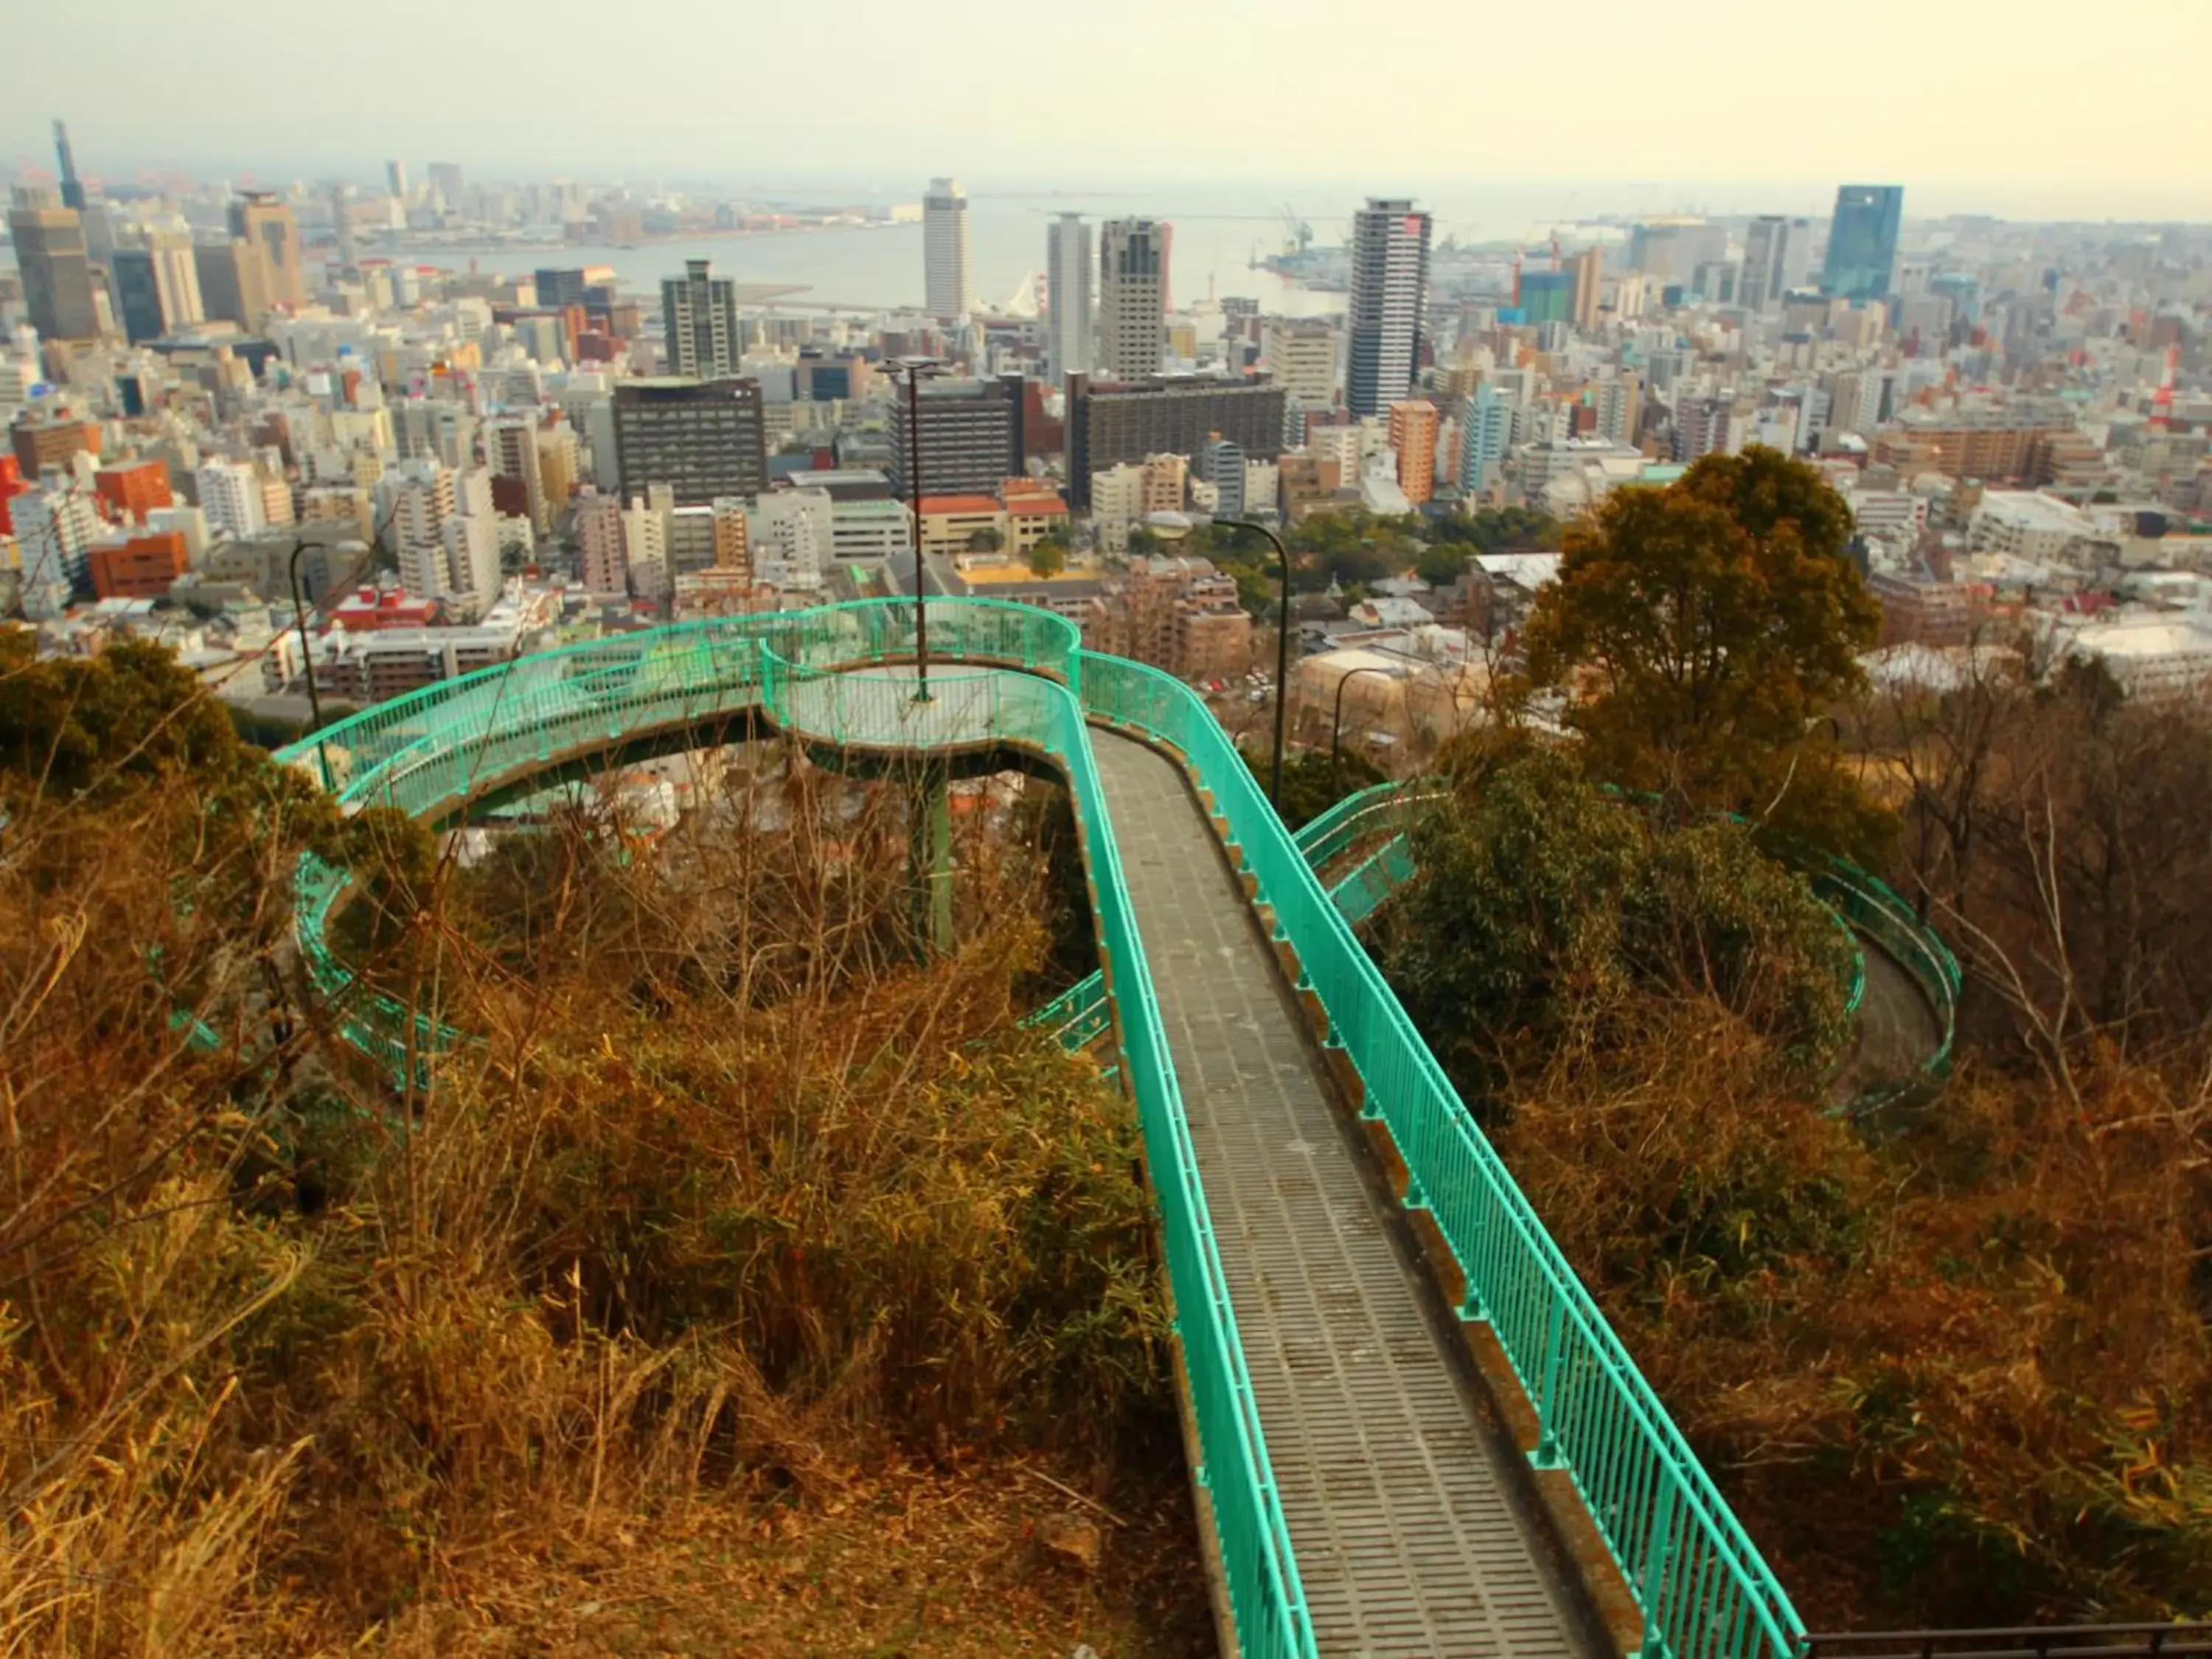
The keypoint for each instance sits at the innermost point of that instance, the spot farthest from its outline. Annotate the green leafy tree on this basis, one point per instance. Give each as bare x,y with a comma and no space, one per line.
983,541
1705,630
1543,904
1441,565
1048,557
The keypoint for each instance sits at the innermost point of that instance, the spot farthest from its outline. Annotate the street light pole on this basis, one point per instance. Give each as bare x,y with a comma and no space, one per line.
915,369
1282,650
300,545
1336,720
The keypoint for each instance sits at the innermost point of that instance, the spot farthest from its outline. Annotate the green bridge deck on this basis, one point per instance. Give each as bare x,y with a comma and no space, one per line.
1354,1501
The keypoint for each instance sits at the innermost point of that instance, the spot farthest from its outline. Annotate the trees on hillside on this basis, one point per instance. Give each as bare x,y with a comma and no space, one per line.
1704,632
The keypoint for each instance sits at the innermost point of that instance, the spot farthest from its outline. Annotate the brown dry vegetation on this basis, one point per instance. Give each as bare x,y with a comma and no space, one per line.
748,1288
1956,1369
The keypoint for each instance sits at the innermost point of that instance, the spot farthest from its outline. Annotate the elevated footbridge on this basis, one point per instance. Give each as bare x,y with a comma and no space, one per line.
1365,1487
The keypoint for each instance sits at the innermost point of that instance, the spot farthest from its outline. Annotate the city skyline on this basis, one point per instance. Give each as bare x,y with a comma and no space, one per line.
158,96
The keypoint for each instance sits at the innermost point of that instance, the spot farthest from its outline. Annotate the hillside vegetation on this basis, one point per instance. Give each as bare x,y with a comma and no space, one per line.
1953,1368
748,1285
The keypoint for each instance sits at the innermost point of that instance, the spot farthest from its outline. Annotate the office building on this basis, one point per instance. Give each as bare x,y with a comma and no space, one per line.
1862,260
395,178
1301,356
137,298
72,186
1588,272
946,274
54,530
700,313
970,432
518,480
445,184
1068,328
1548,296
342,224
232,287
59,283
558,287
1486,438
1133,281
136,567
1221,465
1389,306
129,490
260,219
704,439
1777,256
176,277
1413,439
1110,422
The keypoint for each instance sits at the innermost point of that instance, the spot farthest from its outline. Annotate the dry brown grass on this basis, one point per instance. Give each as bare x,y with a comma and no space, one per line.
689,1311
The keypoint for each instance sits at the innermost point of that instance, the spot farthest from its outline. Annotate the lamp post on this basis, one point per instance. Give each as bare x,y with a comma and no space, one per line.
1336,720
1173,527
916,369
300,545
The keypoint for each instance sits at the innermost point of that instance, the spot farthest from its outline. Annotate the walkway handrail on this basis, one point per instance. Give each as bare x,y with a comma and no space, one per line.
1700,1580
425,752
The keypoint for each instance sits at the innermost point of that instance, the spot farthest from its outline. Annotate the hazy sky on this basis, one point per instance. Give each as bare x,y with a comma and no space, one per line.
2022,108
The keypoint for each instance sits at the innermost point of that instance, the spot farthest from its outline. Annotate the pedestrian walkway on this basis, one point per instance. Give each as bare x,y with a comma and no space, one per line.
1408,1533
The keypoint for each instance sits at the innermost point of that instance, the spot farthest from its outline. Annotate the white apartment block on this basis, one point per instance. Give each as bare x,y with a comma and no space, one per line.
230,495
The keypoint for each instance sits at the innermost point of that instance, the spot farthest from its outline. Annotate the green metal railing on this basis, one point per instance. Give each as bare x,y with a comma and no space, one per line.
1701,1585
428,754
1699,1579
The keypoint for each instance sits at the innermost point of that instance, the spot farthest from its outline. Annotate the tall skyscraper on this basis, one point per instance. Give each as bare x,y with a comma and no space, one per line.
395,178
701,312
1067,340
1133,278
445,181
72,186
1862,262
260,219
342,223
1388,306
1588,270
946,274
1413,422
1766,245
57,277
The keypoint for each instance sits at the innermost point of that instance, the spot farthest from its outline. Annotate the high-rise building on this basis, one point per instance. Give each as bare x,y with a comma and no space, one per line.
701,312
944,249
1862,260
1548,296
234,287
342,224
176,277
137,296
58,284
72,186
395,178
1414,437
260,219
1765,251
1133,281
445,184
54,527
703,439
1109,423
1389,306
1221,464
1588,270
511,450
1488,437
970,434
1068,339
232,497
1301,353
599,538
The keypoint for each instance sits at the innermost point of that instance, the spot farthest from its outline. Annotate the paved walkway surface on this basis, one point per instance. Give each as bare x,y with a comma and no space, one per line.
1898,1030
1406,1530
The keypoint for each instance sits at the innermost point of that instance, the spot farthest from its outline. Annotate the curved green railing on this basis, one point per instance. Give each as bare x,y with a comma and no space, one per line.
1701,1584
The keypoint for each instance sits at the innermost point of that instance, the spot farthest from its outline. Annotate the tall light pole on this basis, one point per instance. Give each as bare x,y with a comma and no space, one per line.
916,369
300,545
1336,720
1173,527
